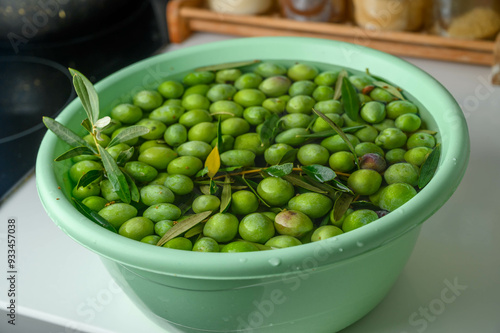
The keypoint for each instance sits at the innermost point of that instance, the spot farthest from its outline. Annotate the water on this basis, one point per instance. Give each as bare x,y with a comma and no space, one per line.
275,262
360,244
243,260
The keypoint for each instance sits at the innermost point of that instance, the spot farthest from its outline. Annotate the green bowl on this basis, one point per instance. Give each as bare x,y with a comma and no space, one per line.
317,287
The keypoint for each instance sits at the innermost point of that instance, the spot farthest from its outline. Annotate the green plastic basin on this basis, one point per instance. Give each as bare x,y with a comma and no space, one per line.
317,287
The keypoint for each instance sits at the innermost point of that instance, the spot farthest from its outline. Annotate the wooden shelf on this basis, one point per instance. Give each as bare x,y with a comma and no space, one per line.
187,16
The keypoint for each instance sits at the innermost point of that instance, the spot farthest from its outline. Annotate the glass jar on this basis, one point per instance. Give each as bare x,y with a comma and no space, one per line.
240,7
391,15
467,19
314,10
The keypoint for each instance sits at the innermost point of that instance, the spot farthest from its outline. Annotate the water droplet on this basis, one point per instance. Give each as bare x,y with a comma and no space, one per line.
243,259
454,161
226,319
274,261
341,249
359,244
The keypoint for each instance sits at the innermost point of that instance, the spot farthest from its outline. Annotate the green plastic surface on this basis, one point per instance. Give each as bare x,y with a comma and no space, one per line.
318,287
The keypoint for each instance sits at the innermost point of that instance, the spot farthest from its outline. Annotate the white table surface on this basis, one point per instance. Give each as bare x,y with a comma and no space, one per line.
450,284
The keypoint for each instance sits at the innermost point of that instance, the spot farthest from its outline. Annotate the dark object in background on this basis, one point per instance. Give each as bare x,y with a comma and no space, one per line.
101,37
27,88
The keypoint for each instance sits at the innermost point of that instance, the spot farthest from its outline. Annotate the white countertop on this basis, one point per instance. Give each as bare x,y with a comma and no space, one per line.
450,284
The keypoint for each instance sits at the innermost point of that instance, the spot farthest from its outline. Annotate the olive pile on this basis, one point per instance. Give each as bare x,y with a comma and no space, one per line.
253,203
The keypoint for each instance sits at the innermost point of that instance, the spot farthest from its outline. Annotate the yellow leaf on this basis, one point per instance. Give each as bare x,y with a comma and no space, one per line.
212,162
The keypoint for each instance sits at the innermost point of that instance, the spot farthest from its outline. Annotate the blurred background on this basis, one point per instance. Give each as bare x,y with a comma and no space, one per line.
39,40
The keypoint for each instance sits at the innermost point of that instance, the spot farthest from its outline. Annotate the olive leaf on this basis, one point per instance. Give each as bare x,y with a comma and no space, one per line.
65,134
196,230
325,220
183,226
219,134
362,204
297,181
124,156
134,191
77,151
225,199
87,125
341,133
88,96
319,172
269,128
311,123
202,172
252,185
389,88
213,187
341,205
228,65
115,175
350,99
330,191
289,156
327,133
128,133
429,167
89,177
338,85
341,187
280,170
212,163
93,216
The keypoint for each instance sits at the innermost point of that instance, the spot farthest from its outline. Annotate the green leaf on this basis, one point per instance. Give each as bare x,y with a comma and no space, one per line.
230,169
134,191
87,125
319,172
328,133
228,65
252,188
342,205
280,170
89,177
341,187
93,216
297,181
124,156
213,187
128,133
391,89
341,133
350,99
88,96
338,85
202,172
219,134
269,128
205,189
325,220
289,156
65,134
331,192
225,199
183,226
364,205
311,123
196,230
115,176
77,151
429,167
